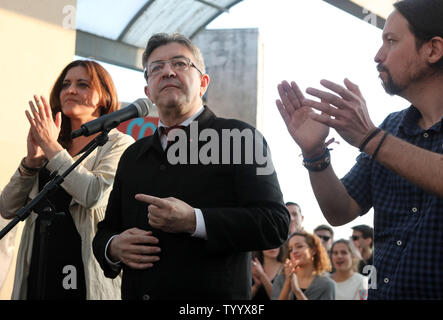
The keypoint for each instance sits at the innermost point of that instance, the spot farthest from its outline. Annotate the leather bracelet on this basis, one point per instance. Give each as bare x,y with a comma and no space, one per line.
379,145
318,164
320,157
371,134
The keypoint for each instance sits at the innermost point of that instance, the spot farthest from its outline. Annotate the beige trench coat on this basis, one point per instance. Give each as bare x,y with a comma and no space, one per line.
89,185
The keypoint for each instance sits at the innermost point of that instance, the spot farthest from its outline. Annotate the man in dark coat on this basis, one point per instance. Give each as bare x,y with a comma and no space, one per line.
183,217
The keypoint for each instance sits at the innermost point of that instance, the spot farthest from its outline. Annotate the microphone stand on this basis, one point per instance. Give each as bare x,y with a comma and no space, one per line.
41,205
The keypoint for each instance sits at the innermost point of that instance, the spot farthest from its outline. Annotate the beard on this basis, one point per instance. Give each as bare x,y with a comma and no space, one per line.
393,87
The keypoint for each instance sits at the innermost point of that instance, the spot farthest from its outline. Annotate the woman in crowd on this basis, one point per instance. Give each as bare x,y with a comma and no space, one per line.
266,266
83,92
304,277
350,285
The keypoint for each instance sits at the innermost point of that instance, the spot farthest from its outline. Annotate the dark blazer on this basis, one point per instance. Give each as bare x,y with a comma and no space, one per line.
243,212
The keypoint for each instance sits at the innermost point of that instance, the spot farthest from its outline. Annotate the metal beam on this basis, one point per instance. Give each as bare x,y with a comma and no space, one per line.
210,4
359,12
110,51
203,25
134,19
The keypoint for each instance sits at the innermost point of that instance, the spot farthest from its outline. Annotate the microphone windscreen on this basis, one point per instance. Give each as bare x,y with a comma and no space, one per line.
144,106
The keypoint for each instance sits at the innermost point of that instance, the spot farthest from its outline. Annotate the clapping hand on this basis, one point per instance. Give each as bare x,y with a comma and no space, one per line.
308,133
290,274
257,270
344,111
35,156
294,283
289,268
44,129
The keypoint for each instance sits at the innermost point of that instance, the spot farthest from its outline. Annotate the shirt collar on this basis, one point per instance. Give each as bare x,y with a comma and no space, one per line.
410,126
205,117
186,122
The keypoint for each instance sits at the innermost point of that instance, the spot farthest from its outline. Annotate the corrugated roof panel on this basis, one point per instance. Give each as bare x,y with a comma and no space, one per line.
198,18
133,21
106,18
168,16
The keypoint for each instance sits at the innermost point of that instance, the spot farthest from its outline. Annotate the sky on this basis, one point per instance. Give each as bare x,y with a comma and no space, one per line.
304,41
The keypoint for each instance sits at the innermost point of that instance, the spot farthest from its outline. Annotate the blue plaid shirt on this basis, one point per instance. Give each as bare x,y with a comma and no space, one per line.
408,222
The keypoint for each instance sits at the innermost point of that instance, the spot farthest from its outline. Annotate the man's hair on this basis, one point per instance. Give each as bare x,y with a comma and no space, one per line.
324,227
161,39
425,20
366,231
289,203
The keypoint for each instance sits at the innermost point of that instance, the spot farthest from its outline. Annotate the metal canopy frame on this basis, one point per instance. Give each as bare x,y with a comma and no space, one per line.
359,12
124,52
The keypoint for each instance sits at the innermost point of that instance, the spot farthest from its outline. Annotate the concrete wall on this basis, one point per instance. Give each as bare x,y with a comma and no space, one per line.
37,40
233,59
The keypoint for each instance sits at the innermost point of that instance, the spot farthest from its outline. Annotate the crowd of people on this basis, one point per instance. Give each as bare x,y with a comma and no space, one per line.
133,225
312,266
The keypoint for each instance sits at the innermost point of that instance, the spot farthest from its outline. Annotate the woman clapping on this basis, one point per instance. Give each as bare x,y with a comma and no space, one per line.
83,92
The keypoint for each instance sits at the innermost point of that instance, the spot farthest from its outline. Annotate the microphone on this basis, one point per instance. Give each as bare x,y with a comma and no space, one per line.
139,108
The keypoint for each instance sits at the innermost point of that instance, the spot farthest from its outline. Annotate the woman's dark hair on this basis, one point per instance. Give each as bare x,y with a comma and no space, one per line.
100,80
280,258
